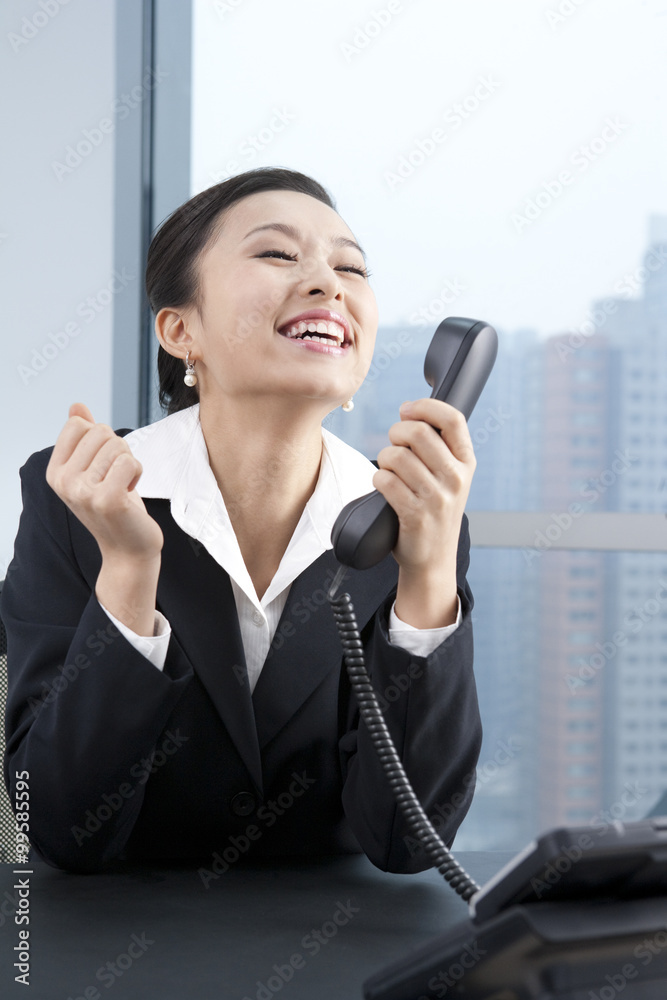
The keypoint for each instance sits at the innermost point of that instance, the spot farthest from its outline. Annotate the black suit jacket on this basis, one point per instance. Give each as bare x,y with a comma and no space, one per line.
126,761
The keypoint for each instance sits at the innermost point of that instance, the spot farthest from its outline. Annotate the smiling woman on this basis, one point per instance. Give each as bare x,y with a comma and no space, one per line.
193,547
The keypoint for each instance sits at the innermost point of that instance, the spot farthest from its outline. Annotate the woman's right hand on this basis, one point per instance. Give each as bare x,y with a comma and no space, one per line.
94,472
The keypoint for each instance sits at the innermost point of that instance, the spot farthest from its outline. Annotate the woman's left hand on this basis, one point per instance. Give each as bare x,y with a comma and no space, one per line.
426,477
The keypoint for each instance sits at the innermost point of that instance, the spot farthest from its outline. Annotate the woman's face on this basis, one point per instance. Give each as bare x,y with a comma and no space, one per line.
281,255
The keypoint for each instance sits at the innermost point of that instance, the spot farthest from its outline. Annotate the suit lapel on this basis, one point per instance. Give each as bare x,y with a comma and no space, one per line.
196,597
306,645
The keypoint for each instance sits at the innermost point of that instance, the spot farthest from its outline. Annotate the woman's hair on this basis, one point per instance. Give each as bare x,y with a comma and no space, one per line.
172,267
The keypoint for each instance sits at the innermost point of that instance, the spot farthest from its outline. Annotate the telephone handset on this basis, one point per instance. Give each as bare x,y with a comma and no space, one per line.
458,363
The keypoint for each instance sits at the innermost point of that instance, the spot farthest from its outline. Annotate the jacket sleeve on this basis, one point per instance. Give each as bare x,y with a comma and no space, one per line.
84,707
430,706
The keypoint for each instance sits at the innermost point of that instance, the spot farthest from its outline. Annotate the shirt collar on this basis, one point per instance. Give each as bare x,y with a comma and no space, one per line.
175,464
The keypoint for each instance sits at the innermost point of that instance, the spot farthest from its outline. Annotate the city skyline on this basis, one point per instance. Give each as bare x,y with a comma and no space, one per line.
571,677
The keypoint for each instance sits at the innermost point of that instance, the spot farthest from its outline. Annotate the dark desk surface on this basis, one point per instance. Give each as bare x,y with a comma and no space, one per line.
160,933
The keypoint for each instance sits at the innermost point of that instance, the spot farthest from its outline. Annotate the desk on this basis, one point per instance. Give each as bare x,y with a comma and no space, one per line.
152,932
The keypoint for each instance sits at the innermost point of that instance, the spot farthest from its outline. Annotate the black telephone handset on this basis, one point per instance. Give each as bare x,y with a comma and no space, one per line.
458,363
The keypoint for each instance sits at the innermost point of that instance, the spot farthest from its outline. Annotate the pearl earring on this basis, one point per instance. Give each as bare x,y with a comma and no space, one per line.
189,378
349,405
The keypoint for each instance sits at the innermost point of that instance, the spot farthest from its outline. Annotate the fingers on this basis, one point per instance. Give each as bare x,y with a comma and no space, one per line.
425,475
424,464
405,499
419,441
448,421
106,457
121,477
79,423
446,453
81,410
94,473
84,455
76,447
410,475
68,439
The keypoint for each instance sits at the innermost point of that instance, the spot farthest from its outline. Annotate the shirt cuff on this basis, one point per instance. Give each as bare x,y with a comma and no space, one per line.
154,648
419,641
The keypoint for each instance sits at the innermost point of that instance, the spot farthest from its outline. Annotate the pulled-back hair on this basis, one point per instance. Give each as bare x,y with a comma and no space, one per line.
172,271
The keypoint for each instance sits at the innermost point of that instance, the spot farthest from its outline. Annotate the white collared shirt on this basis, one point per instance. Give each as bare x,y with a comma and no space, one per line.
175,464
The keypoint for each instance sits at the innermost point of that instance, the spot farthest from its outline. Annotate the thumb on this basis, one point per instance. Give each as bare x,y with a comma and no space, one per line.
81,410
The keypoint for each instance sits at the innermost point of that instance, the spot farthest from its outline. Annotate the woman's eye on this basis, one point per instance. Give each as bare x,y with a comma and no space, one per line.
282,254
357,270
277,253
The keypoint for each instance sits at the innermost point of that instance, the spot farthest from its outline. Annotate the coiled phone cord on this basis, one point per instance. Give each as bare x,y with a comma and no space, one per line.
371,713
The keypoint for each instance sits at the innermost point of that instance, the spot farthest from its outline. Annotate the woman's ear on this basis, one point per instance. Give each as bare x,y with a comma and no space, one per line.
171,331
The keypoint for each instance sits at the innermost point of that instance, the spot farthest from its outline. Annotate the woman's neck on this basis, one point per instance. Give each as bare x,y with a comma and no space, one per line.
265,456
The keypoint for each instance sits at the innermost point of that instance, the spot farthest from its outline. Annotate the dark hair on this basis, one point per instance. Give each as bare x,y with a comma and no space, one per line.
172,274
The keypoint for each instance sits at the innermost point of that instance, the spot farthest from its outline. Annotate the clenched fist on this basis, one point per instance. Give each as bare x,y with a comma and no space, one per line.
94,472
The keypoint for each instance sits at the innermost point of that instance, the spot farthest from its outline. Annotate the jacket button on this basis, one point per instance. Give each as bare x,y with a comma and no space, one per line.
243,804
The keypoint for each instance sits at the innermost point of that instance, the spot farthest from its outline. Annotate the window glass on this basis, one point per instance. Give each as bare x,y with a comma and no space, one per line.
484,181
487,184
559,723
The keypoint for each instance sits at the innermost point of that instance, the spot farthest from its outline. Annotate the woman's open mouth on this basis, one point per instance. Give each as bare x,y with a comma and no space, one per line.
322,336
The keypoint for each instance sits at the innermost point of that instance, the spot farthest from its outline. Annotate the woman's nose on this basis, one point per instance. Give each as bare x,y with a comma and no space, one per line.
319,277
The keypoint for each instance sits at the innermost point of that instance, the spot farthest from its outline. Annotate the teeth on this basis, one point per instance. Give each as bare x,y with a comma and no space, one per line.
328,329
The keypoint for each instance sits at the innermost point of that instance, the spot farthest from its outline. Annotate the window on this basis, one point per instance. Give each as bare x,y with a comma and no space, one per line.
580,749
581,770
580,792
577,816
584,418
578,396
582,638
582,571
582,704
580,726
567,368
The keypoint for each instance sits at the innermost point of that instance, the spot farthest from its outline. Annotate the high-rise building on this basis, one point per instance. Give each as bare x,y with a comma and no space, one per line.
638,716
572,587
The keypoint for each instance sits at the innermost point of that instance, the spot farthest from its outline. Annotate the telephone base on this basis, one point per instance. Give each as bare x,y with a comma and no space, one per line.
540,951
579,914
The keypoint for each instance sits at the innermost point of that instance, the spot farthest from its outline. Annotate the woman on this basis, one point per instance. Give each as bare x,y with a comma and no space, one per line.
176,687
